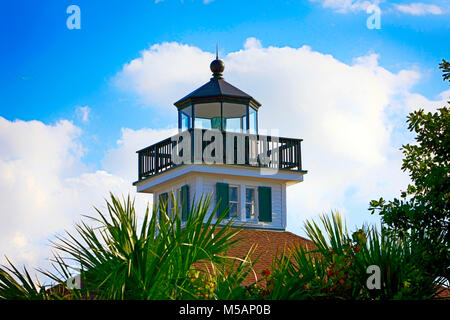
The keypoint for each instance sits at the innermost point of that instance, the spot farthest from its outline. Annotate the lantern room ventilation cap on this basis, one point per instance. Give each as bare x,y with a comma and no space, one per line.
217,66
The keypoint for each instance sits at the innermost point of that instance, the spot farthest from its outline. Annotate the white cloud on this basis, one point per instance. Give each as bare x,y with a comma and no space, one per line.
345,6
351,116
45,187
163,72
415,101
419,9
123,159
353,6
252,43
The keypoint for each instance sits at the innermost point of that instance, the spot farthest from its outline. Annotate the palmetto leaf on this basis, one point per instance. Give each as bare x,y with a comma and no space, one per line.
122,260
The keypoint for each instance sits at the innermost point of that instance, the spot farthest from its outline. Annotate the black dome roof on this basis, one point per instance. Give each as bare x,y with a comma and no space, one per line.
217,89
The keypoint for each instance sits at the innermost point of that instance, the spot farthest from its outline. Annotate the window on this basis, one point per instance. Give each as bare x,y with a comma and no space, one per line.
163,199
170,206
179,200
207,115
235,117
253,121
234,201
250,203
174,202
185,118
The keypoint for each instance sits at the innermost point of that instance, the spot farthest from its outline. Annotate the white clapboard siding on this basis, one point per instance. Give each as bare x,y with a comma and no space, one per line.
205,184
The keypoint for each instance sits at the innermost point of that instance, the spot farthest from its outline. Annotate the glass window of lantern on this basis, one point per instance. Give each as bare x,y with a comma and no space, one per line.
235,117
186,118
253,121
207,115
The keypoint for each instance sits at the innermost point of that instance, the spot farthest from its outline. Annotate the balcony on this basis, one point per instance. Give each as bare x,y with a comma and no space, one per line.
214,147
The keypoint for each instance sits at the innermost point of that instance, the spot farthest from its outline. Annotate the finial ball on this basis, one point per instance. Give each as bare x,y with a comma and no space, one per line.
217,67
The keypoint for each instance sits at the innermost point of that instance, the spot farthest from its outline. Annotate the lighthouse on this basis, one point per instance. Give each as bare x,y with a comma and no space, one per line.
219,152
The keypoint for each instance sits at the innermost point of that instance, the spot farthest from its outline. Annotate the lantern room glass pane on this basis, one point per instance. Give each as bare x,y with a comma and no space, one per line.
253,121
234,117
207,115
186,118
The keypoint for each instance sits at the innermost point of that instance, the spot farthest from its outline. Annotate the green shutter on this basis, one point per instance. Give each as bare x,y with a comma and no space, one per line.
222,198
265,204
163,197
184,202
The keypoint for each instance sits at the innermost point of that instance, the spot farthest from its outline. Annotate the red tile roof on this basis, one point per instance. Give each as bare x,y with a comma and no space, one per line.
268,245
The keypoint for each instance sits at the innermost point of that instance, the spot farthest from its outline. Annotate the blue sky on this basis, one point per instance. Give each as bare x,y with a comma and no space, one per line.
50,73
44,61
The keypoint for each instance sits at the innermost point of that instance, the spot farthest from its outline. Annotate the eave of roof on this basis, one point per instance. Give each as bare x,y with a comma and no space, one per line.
217,87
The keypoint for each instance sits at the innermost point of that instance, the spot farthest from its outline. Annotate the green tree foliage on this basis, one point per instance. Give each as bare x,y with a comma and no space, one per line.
336,266
163,259
19,285
158,258
422,211
445,66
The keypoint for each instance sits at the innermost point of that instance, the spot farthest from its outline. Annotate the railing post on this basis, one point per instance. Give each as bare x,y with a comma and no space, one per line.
225,147
151,160
156,159
280,154
247,149
139,166
173,149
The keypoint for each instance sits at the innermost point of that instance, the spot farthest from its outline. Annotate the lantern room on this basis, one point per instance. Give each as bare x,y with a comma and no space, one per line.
218,105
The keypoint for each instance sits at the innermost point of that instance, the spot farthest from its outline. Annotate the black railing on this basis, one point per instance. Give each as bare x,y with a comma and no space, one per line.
245,149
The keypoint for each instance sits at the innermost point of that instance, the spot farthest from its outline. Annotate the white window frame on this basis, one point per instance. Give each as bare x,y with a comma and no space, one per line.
237,202
178,199
170,202
170,205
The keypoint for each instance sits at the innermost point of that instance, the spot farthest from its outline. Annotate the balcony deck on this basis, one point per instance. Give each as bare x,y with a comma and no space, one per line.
202,146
